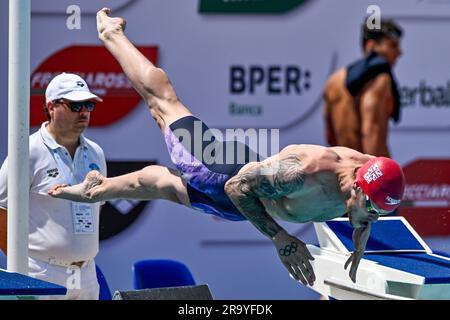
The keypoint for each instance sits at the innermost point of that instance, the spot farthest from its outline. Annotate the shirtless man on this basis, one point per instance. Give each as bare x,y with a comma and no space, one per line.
302,183
360,99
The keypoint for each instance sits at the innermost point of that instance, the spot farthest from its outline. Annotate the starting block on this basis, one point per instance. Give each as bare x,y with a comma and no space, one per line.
18,286
397,263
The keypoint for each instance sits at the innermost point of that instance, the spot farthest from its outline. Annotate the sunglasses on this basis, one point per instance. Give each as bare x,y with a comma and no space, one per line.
78,106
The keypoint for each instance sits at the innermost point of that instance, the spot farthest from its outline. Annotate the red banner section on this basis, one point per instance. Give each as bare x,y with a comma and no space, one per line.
103,75
426,201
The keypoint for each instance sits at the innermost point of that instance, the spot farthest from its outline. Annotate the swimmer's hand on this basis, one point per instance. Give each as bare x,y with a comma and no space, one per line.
108,26
87,191
360,236
355,258
295,256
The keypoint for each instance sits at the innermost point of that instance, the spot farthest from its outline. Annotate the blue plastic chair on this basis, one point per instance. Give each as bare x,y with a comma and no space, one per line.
148,274
105,293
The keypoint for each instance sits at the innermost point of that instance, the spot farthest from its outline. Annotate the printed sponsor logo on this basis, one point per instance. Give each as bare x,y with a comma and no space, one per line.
53,173
236,109
271,80
426,200
425,95
391,201
103,75
427,192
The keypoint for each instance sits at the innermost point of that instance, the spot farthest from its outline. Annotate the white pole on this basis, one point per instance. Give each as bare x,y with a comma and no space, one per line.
18,132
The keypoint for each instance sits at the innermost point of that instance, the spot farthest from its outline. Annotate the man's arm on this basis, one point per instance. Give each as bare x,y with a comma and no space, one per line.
147,79
361,234
272,180
375,117
3,230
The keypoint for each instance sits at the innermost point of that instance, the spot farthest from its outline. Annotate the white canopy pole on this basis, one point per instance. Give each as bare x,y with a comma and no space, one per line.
18,133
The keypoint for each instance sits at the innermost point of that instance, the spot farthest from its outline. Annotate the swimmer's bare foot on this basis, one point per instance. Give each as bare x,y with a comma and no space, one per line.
108,26
87,191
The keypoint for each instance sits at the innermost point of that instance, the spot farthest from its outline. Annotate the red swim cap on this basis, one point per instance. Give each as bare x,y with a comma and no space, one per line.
382,180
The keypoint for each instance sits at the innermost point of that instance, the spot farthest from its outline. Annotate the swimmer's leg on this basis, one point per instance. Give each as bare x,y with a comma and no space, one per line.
152,182
151,82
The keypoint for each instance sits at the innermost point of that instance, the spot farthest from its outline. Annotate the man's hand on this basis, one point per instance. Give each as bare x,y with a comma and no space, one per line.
108,26
295,256
87,191
355,258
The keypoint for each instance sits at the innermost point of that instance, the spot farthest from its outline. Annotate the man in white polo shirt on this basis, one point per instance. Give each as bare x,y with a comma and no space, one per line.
63,235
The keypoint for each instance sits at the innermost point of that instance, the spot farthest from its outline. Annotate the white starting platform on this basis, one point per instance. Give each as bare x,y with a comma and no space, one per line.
18,286
397,263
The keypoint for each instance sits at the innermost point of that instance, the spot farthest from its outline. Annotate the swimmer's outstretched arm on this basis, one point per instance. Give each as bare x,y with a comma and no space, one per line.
361,235
247,188
147,79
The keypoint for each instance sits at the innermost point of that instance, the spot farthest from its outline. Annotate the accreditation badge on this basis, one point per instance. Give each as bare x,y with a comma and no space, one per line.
83,218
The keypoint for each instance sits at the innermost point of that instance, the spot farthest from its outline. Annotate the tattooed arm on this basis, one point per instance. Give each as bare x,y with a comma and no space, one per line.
273,179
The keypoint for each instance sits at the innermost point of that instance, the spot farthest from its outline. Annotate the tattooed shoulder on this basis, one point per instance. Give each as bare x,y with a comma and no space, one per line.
274,178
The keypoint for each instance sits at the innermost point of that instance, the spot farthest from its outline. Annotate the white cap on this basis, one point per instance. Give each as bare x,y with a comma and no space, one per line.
69,86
